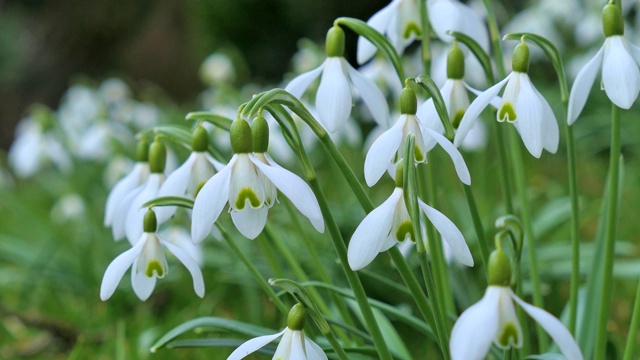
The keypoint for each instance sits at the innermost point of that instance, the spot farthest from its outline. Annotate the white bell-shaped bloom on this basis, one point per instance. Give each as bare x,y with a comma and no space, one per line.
334,97
388,147
147,261
493,320
132,207
390,224
248,183
293,346
136,177
524,107
619,61
453,15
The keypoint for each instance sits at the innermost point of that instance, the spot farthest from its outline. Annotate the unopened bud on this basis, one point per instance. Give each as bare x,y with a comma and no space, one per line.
200,139
520,61
260,135
296,318
334,44
408,101
157,156
240,134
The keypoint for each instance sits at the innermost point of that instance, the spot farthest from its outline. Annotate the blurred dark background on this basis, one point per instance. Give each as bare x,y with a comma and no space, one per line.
45,44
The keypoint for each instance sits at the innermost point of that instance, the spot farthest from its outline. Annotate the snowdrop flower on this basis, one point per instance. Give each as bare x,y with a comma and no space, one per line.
217,69
249,183
187,179
390,224
293,346
493,319
453,15
148,263
619,60
521,104
456,98
334,99
386,149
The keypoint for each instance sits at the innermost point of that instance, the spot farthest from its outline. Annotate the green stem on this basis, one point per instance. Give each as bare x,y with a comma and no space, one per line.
575,231
504,167
477,223
633,328
610,235
426,40
271,259
495,38
254,271
529,238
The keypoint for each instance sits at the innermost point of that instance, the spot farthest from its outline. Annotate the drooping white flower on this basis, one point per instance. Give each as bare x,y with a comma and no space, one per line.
619,60
337,79
148,263
135,178
390,224
293,346
493,320
387,149
248,183
522,105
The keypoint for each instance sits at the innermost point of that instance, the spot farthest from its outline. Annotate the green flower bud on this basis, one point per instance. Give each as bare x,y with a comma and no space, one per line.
612,23
408,101
520,61
455,62
241,137
200,139
296,318
142,152
157,157
499,268
334,44
150,224
260,132
400,174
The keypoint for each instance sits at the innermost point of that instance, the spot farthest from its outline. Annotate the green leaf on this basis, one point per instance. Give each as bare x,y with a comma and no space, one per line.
302,296
546,356
552,54
378,40
169,201
478,52
428,84
230,343
217,120
215,323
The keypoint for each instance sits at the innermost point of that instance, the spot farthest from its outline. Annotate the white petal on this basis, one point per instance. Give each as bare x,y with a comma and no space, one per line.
496,102
382,151
550,130
456,157
249,221
253,345
135,216
379,21
507,321
122,188
620,73
428,116
191,265
476,108
582,86
450,233
370,235
297,346
119,224
314,352
333,100
116,269
300,83
175,185
445,15
371,95
295,189
475,329
209,203
142,285
555,328
529,112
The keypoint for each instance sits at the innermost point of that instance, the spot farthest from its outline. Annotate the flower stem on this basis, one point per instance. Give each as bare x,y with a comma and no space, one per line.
477,223
254,271
426,40
610,235
633,328
575,231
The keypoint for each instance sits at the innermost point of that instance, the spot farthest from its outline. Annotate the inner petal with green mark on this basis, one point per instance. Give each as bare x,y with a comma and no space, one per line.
507,112
417,153
412,27
509,335
154,266
247,194
404,231
456,118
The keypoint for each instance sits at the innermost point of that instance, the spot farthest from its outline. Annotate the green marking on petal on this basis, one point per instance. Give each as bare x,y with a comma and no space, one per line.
412,27
456,118
247,194
418,155
154,266
509,335
405,229
198,188
507,112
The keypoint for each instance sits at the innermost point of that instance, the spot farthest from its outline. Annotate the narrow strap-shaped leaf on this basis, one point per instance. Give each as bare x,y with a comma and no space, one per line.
361,28
170,201
217,120
428,84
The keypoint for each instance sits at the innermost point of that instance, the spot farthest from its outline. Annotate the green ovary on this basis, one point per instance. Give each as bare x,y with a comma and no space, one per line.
405,229
509,335
154,266
247,194
507,112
